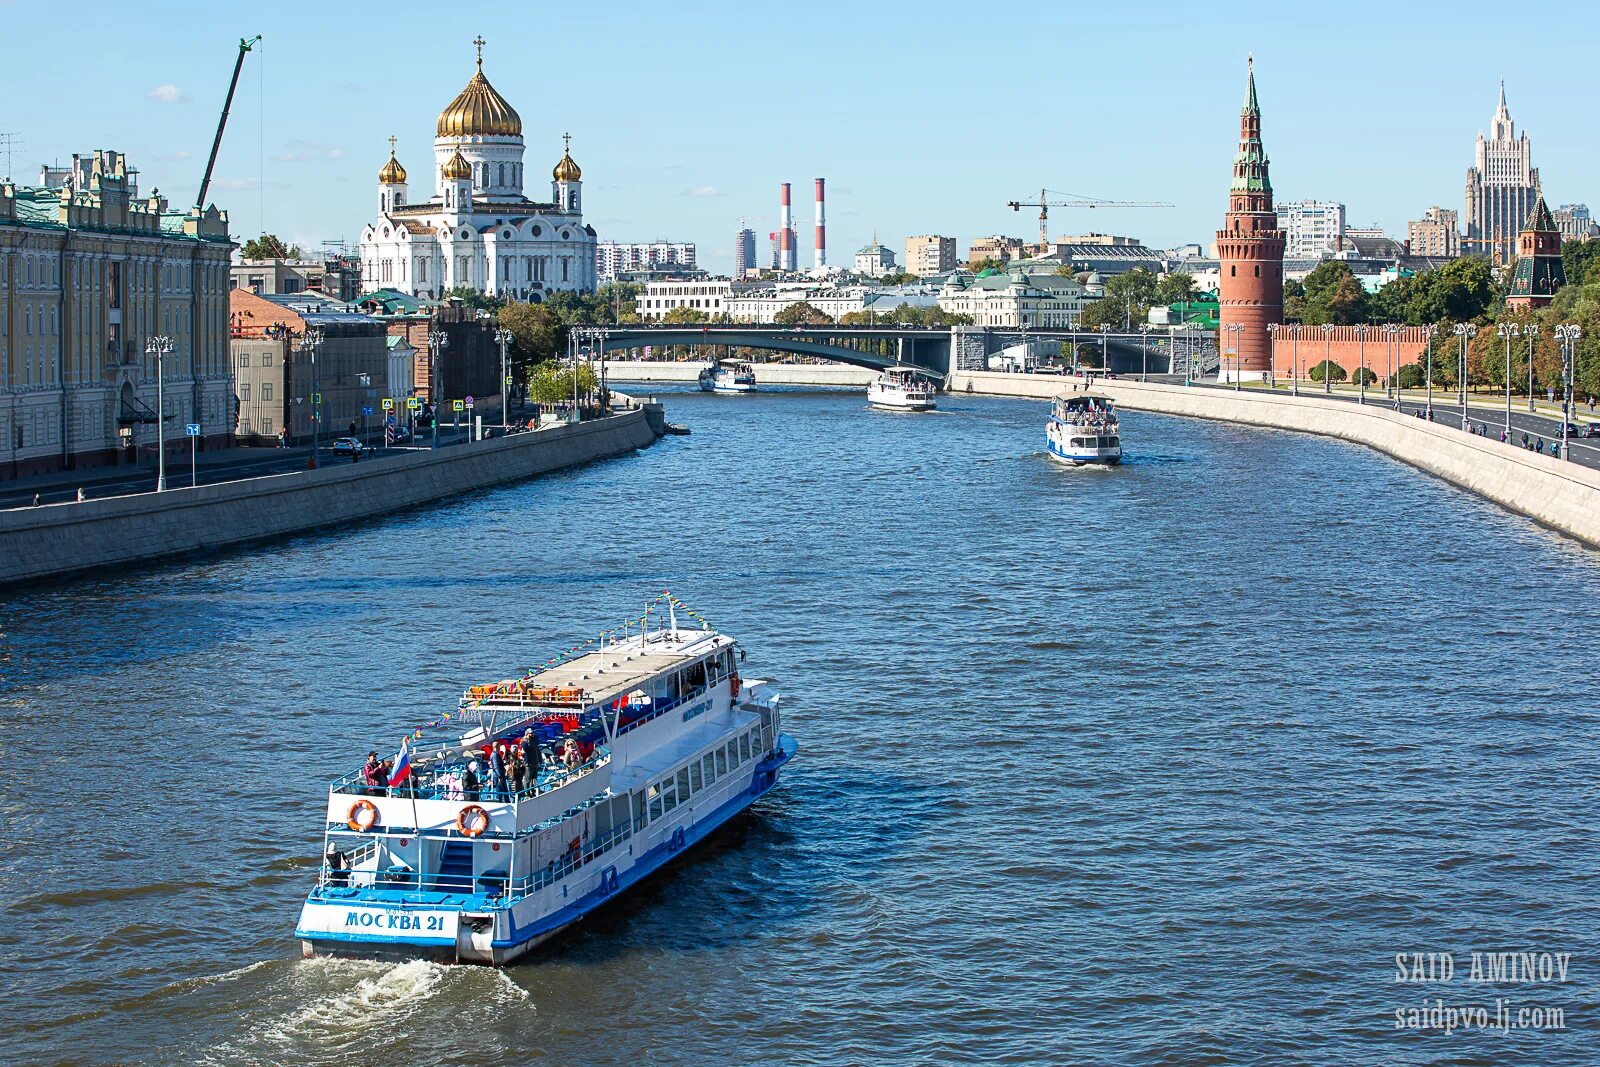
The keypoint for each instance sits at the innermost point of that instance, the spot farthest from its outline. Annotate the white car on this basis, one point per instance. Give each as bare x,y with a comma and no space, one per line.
348,446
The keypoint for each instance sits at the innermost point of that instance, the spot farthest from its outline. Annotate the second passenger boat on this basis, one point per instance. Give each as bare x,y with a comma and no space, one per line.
728,377
901,390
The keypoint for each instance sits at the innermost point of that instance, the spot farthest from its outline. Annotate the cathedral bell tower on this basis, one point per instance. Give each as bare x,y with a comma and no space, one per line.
1250,248
566,185
455,181
391,184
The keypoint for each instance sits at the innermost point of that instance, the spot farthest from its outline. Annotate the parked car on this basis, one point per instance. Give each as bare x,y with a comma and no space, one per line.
348,446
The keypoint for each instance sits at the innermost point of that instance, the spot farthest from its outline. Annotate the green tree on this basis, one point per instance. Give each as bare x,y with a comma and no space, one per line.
684,316
1363,374
900,278
474,299
537,334
1294,302
982,265
1327,368
1175,287
269,246
1334,295
1126,302
552,383
1460,291
802,314
1578,258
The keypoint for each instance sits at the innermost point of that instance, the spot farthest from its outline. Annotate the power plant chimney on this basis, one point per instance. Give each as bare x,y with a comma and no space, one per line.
786,228
822,228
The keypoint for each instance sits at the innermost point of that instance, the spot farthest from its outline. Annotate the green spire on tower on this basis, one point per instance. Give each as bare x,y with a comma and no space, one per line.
1250,105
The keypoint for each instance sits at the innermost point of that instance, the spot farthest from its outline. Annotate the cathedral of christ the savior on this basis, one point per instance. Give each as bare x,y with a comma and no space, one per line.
479,230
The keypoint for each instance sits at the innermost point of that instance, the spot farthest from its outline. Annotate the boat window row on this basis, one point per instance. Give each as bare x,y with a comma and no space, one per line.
695,777
1096,442
674,687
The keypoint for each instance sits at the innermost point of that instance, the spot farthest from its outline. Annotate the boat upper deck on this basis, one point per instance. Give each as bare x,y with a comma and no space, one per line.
604,674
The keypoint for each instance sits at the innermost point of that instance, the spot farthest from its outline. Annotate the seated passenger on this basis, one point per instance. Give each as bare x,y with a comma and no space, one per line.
469,781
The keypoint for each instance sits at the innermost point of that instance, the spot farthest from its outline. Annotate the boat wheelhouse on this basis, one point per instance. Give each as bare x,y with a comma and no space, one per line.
901,389
643,747
728,376
1084,429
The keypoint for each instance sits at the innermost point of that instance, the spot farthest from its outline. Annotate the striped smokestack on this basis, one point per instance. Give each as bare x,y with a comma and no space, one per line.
822,228
786,227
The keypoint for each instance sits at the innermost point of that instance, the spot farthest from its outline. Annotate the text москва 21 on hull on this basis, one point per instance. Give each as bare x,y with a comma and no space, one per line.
650,743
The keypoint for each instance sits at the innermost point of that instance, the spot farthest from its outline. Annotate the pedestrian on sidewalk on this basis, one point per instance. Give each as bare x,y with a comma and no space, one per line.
36,500
81,495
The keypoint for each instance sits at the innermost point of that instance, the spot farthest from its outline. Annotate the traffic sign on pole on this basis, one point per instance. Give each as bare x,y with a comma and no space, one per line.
456,405
469,403
388,403
192,429
366,410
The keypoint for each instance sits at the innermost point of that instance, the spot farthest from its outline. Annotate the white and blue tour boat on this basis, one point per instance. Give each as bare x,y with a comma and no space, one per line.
728,377
901,389
1083,429
645,746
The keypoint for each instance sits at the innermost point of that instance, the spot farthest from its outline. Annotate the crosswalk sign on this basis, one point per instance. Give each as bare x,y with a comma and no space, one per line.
414,403
388,403
457,405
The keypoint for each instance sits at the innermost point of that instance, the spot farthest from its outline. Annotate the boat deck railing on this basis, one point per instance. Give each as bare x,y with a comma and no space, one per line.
442,781
491,885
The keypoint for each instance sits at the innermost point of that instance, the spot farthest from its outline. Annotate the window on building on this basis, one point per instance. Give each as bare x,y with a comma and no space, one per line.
244,359
244,392
266,390
266,359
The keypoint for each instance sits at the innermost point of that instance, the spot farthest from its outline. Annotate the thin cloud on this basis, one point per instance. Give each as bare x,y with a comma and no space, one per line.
307,152
167,94
703,192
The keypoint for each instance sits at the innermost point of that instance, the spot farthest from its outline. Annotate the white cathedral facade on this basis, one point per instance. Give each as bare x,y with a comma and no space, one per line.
479,230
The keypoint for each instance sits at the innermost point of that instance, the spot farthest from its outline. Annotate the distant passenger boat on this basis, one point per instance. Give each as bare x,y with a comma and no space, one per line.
642,747
728,377
901,390
1084,429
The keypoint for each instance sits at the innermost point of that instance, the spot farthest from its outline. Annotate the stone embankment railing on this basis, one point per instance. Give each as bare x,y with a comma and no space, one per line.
1564,496
61,539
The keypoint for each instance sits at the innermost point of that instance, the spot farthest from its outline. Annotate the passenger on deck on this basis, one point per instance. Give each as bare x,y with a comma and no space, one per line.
497,772
514,770
570,754
530,757
370,772
470,781
338,866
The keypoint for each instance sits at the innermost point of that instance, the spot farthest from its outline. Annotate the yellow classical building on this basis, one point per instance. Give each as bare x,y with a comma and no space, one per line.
89,273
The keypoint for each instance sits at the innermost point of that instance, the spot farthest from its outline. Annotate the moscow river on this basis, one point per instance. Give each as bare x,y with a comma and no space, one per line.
1157,765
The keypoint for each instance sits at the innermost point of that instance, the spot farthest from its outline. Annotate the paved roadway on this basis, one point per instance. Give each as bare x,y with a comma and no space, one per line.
1492,417
212,467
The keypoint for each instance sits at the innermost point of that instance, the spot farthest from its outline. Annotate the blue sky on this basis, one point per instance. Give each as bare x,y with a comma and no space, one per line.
924,118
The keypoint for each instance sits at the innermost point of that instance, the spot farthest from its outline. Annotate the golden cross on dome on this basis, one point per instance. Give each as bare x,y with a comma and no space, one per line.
480,42
391,144
566,144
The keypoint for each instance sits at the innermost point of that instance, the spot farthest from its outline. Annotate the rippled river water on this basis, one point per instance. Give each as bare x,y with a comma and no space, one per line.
1156,765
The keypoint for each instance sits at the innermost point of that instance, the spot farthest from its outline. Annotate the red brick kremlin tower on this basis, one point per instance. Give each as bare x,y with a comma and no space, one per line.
1250,246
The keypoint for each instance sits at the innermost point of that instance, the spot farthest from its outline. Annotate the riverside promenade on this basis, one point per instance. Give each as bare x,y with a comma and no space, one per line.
624,371
1562,495
67,538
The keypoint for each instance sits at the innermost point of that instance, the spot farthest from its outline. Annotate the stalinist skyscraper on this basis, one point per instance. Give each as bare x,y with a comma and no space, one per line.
1501,188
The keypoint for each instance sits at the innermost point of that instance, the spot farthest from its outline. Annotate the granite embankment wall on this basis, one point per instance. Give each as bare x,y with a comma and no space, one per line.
621,372
61,539
1561,495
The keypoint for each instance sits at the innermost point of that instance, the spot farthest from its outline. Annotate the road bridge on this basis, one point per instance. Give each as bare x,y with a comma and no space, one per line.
938,351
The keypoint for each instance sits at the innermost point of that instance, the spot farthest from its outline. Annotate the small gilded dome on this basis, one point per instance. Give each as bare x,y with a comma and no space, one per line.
458,169
566,170
392,173
479,111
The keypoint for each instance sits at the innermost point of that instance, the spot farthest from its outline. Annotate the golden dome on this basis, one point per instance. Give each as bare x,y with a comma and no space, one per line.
479,112
392,173
566,170
458,169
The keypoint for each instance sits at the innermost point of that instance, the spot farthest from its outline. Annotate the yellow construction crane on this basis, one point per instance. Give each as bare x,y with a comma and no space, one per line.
1076,200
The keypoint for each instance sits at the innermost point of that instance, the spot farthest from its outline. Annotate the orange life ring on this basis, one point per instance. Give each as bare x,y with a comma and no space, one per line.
735,679
363,816
478,824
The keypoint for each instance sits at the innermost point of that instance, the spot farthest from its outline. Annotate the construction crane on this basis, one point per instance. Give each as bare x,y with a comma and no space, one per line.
1077,200
216,143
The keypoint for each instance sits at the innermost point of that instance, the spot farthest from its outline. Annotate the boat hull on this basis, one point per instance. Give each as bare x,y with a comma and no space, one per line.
502,939
901,404
1105,457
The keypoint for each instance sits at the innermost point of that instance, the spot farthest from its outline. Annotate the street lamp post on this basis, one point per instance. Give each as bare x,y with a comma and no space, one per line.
159,346
1464,332
1567,337
1530,331
1429,331
1327,358
1272,342
309,343
1296,357
1507,332
1144,350
1105,357
503,339
1235,328
1361,344
438,341
1391,385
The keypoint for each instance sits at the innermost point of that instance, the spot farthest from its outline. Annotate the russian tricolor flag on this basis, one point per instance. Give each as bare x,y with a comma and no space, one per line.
402,764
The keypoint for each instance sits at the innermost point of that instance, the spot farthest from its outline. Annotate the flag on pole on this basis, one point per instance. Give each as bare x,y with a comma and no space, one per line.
402,764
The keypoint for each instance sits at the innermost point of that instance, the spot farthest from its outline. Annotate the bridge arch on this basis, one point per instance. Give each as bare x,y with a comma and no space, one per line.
770,341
